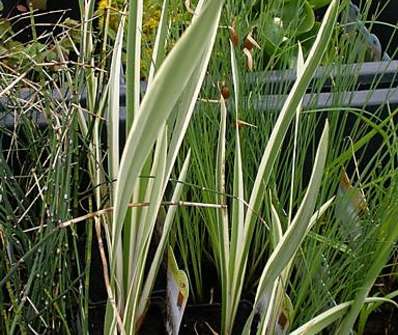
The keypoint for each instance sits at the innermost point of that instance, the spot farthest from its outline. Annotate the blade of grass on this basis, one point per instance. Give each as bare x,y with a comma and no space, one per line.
325,319
133,85
387,241
155,264
291,240
158,103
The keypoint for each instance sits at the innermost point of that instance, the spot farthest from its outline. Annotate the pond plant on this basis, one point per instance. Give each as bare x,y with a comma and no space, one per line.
294,209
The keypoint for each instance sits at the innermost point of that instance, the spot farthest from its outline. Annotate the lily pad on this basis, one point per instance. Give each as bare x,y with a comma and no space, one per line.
298,14
316,4
307,39
274,31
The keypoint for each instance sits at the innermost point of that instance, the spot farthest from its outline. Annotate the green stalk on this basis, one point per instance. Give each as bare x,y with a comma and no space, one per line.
388,238
134,32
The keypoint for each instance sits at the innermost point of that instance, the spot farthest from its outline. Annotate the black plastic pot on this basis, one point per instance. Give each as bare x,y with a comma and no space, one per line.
198,319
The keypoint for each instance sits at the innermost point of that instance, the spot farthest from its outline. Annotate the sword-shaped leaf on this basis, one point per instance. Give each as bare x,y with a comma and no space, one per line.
296,232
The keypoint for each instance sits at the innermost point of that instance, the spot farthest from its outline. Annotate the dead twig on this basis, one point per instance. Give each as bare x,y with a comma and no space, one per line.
138,205
106,275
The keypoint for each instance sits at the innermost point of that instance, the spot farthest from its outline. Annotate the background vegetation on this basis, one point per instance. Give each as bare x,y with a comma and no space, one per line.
282,215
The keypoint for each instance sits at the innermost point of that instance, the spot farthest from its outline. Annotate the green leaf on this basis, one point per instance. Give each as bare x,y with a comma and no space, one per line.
288,112
157,259
388,239
318,3
158,103
300,14
113,116
145,230
159,49
296,232
325,319
133,85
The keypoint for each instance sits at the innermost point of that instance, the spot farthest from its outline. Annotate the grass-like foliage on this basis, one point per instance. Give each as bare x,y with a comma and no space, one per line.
260,197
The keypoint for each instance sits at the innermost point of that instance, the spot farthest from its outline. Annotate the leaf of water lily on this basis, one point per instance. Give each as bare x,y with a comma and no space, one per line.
318,3
300,12
307,39
273,32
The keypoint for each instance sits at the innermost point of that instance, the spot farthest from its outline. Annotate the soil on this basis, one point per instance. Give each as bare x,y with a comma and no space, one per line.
205,320
384,322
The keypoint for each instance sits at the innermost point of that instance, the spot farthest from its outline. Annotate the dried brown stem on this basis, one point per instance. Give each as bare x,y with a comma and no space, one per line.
106,276
137,205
